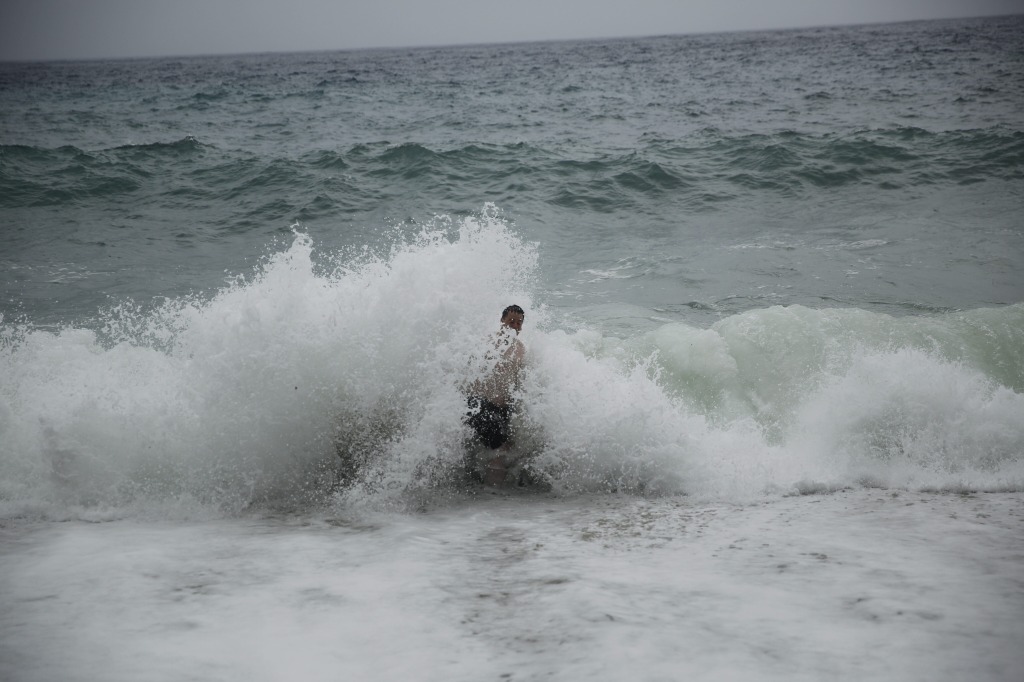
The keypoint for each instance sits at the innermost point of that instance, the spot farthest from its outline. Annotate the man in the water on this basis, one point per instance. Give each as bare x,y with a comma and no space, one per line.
491,398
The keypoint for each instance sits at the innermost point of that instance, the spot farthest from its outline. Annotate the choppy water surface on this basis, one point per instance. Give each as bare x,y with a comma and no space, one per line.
757,262
775,337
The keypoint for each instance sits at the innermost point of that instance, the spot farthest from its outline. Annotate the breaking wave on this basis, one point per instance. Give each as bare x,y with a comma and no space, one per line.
336,376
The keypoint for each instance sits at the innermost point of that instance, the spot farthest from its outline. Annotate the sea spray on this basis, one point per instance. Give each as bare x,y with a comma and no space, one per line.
248,396
340,376
913,418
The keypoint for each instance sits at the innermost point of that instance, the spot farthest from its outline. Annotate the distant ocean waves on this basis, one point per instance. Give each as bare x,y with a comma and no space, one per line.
697,172
757,263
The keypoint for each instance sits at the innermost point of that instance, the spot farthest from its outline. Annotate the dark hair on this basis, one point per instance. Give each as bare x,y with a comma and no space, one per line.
512,309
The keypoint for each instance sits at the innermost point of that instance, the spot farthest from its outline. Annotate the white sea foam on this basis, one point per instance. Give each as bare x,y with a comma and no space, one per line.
249,396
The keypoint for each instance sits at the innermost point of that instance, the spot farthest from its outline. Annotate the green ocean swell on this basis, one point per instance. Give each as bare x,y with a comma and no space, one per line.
699,171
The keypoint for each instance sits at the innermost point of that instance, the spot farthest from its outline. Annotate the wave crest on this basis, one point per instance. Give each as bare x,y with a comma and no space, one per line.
303,380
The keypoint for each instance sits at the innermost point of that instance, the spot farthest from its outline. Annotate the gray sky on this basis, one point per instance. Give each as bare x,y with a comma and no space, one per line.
84,29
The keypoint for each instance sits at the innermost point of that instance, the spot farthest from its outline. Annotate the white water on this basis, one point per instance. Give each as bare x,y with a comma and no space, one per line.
866,584
214,404
692,531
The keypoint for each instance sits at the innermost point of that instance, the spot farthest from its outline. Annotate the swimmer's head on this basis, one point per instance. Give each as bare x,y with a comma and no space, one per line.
513,317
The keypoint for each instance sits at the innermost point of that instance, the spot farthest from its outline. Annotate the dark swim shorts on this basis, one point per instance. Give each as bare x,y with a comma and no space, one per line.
492,423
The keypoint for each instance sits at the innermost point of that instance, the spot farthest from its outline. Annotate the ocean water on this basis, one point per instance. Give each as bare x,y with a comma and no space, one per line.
751,262
244,291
